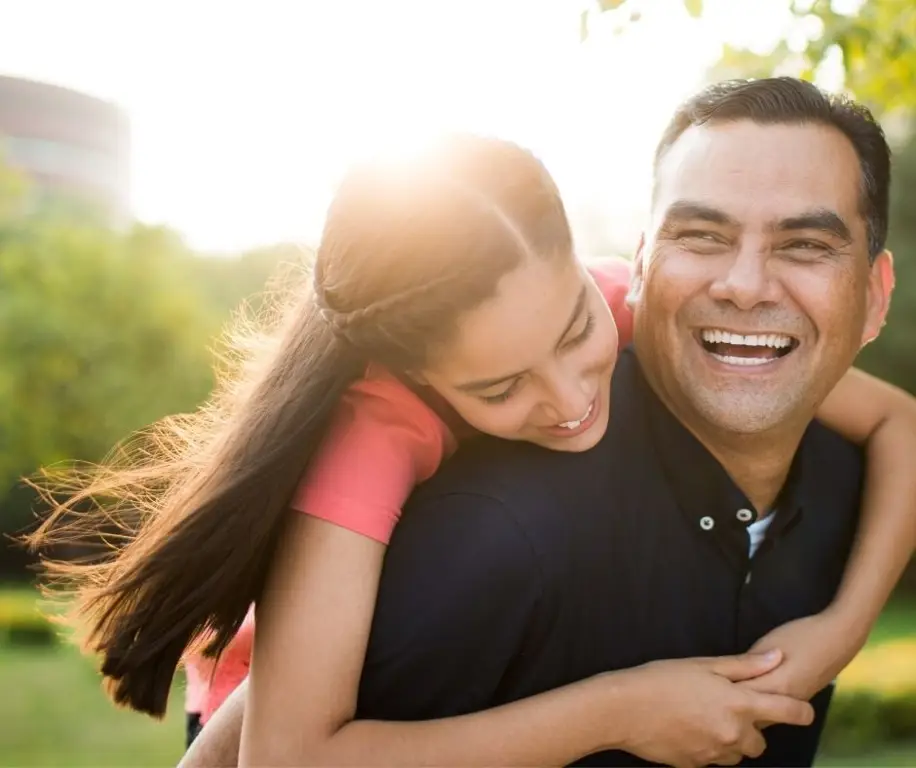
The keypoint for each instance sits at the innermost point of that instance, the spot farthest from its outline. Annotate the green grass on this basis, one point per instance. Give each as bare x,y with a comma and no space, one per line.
892,756
897,620
54,713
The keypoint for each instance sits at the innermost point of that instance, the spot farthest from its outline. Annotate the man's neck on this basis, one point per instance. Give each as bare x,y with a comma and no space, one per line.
758,463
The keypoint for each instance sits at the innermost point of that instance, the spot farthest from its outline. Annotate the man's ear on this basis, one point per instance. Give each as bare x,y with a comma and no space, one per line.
636,282
880,287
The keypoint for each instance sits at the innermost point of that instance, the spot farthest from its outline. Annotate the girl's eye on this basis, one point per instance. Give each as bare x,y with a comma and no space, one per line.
502,396
571,344
584,336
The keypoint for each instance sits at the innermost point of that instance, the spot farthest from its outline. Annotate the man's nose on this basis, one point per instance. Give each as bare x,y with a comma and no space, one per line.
745,278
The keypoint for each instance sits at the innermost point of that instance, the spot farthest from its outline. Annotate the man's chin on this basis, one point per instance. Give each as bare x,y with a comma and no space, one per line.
741,417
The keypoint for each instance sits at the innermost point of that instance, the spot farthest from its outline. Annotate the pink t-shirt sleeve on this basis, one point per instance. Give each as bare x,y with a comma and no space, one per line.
613,279
383,441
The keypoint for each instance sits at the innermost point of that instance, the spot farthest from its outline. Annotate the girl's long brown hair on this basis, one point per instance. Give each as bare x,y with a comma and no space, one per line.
200,499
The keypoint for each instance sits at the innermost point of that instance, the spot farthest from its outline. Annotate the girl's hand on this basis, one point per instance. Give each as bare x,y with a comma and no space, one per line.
816,649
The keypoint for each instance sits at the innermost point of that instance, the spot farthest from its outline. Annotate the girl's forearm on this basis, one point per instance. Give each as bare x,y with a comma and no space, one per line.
553,728
887,531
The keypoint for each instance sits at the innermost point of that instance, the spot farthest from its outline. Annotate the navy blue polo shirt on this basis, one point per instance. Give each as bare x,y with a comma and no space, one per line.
517,569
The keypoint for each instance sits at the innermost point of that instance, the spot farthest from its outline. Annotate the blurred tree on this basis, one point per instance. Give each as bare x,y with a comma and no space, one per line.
893,355
101,332
875,40
13,195
102,341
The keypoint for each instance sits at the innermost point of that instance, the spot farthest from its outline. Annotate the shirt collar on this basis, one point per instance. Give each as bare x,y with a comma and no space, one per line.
705,492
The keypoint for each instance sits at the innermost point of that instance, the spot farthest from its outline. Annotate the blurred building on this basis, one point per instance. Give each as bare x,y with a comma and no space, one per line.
74,148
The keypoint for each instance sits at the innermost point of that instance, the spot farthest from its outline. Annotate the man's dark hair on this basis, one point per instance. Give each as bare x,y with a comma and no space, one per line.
790,101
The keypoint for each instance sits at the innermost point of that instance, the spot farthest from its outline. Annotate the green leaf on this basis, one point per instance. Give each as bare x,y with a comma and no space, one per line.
694,7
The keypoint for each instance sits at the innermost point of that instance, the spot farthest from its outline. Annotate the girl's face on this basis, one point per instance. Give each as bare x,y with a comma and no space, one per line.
534,362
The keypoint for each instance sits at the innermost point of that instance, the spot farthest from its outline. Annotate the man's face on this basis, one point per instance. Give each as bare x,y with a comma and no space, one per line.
754,292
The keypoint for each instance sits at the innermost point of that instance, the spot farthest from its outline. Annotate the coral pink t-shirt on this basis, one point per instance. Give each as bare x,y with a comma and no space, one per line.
209,682
385,439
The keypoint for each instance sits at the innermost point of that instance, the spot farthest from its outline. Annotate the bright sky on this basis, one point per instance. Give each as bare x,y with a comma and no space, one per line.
243,113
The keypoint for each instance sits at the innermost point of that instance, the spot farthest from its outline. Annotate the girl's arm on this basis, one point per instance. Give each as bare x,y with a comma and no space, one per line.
882,418
870,412
312,632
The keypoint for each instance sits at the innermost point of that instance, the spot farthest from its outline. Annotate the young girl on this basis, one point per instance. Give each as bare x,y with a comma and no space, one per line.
358,391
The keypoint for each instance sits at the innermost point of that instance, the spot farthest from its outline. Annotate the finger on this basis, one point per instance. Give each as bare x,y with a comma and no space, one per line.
777,681
745,666
729,756
774,708
752,743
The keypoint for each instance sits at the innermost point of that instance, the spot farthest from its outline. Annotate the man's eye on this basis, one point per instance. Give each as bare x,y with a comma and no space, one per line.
701,241
806,245
805,250
698,235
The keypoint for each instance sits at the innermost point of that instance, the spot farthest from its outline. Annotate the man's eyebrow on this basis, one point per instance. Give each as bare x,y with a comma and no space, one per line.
481,384
686,210
822,219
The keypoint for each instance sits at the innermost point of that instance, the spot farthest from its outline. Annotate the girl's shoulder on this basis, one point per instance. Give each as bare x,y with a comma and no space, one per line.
383,440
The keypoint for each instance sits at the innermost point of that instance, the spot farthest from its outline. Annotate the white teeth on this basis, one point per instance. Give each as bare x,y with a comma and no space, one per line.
774,340
732,360
578,423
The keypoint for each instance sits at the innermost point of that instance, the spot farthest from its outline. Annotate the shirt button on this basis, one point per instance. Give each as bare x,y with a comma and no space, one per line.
707,523
745,515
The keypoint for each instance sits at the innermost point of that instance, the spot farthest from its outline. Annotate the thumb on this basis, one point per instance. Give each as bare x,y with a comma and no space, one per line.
746,666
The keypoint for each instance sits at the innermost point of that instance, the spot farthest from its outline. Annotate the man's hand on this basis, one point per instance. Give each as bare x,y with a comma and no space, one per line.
690,712
816,649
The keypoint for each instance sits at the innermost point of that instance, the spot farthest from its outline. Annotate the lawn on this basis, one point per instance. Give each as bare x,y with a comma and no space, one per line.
54,713
890,757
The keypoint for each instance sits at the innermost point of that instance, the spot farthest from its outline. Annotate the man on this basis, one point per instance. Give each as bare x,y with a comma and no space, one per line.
517,570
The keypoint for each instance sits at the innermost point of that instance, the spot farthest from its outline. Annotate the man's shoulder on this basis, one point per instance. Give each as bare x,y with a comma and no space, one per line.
508,500
469,531
502,469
